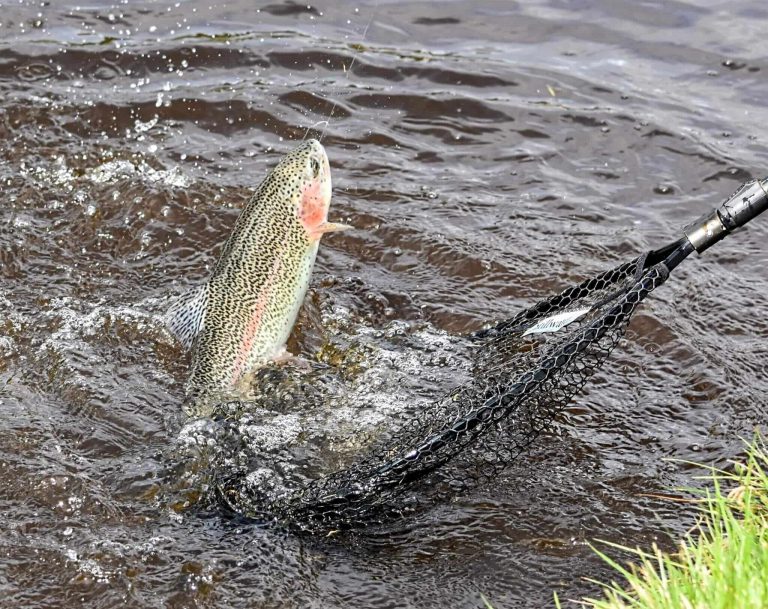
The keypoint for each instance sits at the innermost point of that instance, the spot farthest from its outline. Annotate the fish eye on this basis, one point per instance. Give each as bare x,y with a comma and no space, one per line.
315,166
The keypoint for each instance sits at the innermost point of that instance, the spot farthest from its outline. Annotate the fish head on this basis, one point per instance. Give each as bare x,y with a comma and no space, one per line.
308,168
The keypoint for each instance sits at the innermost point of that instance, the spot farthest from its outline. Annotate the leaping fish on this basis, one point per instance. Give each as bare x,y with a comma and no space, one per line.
242,316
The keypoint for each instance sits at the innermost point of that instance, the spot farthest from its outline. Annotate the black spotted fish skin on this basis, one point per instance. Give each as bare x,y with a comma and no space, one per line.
259,282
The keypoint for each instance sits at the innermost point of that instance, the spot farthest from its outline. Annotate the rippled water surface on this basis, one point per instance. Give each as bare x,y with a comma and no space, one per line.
488,153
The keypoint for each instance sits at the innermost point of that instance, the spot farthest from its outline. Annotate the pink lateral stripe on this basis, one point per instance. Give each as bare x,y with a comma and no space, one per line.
254,323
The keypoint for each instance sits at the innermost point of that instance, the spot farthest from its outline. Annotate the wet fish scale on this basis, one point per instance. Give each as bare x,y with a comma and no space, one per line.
243,316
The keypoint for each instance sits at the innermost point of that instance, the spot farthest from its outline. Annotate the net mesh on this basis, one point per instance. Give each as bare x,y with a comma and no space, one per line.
521,379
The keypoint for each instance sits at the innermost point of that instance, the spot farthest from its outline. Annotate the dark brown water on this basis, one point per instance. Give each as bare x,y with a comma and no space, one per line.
487,152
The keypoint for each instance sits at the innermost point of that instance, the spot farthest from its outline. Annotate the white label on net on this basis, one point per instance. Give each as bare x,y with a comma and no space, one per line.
555,322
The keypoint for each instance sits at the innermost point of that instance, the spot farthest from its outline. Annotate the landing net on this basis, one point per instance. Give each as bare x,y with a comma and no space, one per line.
525,372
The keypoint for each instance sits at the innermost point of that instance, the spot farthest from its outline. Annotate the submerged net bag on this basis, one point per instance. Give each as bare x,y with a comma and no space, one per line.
525,372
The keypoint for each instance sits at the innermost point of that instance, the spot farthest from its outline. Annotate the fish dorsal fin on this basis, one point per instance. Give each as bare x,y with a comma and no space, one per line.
186,316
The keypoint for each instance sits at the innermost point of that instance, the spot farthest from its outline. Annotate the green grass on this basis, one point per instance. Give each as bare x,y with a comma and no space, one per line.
721,564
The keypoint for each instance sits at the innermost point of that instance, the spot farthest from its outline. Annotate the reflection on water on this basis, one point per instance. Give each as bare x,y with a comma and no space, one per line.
487,154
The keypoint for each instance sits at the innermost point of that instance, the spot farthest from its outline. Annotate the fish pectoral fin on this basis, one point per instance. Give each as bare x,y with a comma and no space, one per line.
283,356
330,227
186,316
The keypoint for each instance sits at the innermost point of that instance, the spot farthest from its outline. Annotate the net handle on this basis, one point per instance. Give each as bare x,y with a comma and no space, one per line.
749,201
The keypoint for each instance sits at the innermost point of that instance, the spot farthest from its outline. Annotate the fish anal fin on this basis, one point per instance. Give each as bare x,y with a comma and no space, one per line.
186,316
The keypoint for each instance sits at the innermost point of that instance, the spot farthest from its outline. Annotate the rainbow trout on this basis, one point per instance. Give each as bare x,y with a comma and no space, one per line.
241,318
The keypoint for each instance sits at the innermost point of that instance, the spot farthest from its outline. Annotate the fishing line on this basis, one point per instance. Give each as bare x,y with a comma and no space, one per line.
347,71
311,127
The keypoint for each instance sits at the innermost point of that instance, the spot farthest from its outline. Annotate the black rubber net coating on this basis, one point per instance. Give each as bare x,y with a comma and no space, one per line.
519,382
